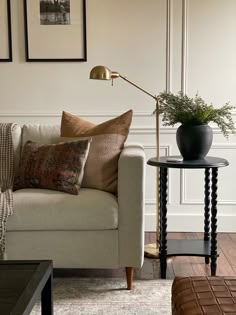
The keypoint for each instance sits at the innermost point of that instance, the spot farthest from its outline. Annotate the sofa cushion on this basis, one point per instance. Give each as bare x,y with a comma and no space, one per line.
16,139
101,169
44,134
53,166
42,209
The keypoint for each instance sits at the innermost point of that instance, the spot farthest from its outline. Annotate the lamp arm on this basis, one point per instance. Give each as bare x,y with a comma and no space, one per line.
138,87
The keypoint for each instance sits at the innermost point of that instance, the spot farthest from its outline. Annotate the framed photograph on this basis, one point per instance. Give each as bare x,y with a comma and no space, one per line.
5,31
55,30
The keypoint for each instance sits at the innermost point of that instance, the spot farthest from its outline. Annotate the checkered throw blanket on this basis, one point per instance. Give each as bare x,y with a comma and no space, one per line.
6,179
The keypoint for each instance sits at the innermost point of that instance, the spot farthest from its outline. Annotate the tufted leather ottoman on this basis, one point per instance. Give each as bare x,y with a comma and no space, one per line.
204,295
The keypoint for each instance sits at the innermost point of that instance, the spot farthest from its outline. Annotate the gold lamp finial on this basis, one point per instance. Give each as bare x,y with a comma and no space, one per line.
102,73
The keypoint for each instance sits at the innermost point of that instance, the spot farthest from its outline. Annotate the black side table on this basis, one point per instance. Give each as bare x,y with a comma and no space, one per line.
208,246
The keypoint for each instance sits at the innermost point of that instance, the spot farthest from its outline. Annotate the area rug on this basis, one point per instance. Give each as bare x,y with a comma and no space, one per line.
100,296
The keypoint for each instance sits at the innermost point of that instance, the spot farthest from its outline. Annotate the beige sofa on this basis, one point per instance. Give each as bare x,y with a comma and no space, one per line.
94,229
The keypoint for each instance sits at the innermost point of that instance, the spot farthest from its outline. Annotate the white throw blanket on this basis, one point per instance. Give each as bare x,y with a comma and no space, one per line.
6,179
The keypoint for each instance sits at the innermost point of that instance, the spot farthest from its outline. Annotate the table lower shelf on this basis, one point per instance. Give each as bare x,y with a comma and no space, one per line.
198,248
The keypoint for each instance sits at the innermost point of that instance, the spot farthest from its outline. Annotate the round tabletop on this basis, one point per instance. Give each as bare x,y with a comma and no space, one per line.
168,161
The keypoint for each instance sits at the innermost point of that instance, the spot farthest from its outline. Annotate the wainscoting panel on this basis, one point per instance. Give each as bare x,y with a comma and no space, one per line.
211,49
226,191
151,171
202,59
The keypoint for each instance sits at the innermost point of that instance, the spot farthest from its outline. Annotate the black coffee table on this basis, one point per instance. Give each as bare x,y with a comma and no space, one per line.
21,285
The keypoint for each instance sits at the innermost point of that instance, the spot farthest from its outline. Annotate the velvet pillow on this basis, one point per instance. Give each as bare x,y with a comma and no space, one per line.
53,166
101,169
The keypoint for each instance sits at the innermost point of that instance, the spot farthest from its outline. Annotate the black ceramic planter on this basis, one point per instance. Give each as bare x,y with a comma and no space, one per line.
194,141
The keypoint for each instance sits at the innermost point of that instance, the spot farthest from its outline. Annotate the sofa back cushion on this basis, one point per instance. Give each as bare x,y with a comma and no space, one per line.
43,134
101,169
16,139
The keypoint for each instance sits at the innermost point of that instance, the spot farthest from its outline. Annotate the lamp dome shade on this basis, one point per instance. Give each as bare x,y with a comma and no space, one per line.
102,73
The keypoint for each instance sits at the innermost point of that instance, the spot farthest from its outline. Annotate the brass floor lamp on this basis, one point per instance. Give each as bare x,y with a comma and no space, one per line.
103,73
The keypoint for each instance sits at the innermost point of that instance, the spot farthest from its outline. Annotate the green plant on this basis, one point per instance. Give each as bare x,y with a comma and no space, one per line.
182,109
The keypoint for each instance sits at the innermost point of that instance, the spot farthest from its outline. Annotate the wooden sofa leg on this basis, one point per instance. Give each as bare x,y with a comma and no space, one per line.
129,277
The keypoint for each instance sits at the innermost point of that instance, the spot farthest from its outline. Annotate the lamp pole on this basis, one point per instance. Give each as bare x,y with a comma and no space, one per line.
103,73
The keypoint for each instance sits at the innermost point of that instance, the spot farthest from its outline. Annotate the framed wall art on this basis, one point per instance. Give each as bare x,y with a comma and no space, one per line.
5,31
55,30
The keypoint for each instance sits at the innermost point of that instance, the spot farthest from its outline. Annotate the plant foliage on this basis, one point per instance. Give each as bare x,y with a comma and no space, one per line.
194,111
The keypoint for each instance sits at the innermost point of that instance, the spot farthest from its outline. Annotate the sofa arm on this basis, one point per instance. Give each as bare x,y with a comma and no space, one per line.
131,196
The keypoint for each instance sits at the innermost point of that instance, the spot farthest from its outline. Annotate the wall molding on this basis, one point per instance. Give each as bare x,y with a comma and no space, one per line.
150,202
135,129
163,130
168,44
184,48
111,114
167,148
178,222
81,114
183,181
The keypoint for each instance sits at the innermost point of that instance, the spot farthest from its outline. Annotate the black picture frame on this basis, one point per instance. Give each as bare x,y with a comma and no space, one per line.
38,31
7,44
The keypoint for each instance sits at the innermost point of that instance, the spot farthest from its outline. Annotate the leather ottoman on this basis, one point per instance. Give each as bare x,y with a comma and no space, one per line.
204,295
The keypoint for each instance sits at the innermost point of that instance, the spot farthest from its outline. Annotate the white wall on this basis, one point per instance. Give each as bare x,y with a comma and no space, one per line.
132,38
120,34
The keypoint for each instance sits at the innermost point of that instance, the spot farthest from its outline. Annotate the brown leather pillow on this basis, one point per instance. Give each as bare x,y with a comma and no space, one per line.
101,169
53,166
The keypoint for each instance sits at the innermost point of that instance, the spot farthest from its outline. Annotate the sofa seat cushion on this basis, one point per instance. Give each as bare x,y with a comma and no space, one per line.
42,209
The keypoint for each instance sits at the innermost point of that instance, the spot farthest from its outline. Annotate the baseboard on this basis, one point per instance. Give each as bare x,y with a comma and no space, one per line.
191,223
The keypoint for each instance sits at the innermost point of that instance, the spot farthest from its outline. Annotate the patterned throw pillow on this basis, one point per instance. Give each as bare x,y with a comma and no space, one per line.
53,166
101,169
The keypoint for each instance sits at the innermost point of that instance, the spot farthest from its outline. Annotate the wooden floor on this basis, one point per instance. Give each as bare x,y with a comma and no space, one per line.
177,266
194,266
